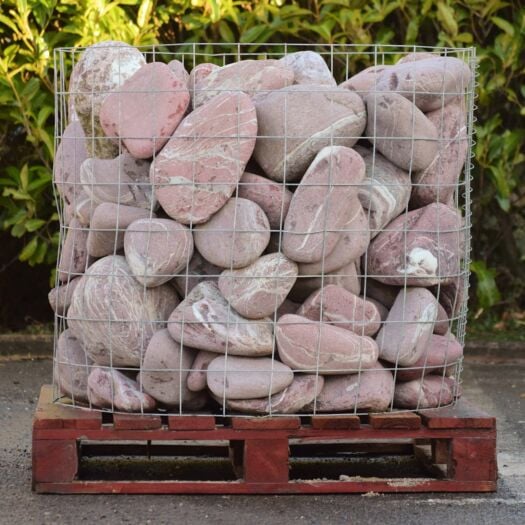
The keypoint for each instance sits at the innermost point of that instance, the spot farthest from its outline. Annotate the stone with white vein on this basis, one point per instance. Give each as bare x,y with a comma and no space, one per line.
257,290
74,253
297,122
204,320
322,204
197,171
102,68
310,346
429,392
308,68
157,249
233,377
114,316
235,236
408,328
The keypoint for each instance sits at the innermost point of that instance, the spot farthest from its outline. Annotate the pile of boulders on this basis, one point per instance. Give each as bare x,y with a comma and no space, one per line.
257,238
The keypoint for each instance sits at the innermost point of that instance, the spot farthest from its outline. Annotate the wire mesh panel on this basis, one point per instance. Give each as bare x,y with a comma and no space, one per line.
283,231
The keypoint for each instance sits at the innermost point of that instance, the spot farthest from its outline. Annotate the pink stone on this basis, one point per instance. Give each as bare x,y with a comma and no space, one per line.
157,249
385,192
235,236
415,56
196,380
288,307
257,290
114,316
232,377
109,388
442,322
253,77
122,180
308,346
368,391
441,352
406,332
74,254
60,296
429,82
308,68
165,368
438,182
301,392
347,277
354,238
145,110
429,392
198,170
419,248
102,68
70,154
82,208
204,320
322,204
177,67
199,73
297,122
336,306
383,293
364,81
400,131
108,224
271,196
199,269
71,367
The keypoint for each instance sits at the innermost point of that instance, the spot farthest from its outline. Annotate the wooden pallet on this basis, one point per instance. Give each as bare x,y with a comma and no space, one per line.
266,455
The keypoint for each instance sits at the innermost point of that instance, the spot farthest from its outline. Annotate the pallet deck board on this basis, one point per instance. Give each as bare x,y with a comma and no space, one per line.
456,446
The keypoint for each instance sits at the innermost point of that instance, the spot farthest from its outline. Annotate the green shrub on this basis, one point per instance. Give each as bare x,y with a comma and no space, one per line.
30,29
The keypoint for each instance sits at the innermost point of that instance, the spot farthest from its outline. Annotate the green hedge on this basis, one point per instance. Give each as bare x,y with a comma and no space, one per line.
31,29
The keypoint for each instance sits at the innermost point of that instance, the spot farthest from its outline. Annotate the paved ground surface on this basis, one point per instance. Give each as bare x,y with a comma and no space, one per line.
498,386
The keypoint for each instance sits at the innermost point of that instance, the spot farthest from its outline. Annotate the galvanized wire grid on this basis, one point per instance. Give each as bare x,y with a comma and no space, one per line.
344,61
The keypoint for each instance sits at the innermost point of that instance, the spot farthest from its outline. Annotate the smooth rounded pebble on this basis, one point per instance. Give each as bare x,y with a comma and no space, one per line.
146,109
110,388
122,180
177,67
322,204
400,131
165,369
297,122
114,316
102,68
71,367
368,391
429,392
385,191
364,81
441,352
204,320
254,77
60,296
274,198
157,249
308,346
419,248
235,236
429,83
336,306
257,290
197,171
408,328
232,377
108,225
301,392
308,68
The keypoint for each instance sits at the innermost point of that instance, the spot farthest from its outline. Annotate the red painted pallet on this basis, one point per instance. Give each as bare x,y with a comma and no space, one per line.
456,447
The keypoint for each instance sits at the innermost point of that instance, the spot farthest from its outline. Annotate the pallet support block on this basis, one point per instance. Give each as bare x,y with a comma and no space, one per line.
461,456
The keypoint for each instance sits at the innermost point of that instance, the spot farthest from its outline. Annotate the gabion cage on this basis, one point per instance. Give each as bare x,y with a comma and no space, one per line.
262,231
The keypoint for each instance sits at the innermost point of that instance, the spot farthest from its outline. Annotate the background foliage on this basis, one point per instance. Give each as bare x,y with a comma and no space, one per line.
30,29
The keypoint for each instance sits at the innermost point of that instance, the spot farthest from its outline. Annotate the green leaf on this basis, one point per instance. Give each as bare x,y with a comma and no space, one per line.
487,290
34,224
29,249
503,24
144,12
447,17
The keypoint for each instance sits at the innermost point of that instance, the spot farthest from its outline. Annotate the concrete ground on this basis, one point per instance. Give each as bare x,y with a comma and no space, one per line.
498,386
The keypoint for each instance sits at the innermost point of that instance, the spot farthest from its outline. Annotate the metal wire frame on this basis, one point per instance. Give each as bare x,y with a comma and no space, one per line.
343,61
